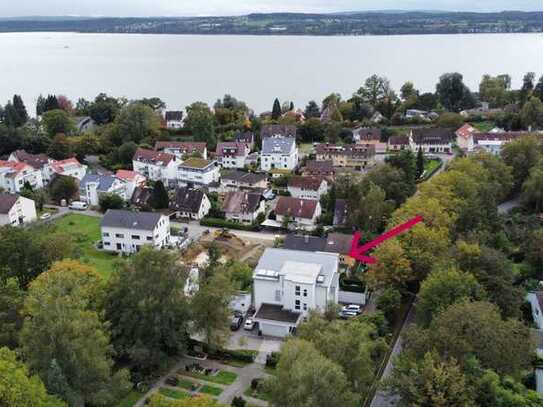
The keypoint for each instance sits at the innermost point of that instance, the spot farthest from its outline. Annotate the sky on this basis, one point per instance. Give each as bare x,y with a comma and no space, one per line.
11,8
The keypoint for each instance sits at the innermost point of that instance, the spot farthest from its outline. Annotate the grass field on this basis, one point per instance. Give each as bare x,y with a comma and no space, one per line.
130,399
431,165
85,230
223,377
173,394
211,390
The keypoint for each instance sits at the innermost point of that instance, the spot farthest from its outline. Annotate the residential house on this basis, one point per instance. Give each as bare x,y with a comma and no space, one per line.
420,114
398,143
369,135
235,180
338,243
340,212
319,169
535,298
302,212
431,140
464,137
37,161
247,138
198,172
92,186
304,243
85,125
141,198
288,284
279,153
278,130
190,203
14,175
132,180
243,207
232,154
307,187
174,120
357,156
182,149
492,143
156,166
126,231
70,167
16,210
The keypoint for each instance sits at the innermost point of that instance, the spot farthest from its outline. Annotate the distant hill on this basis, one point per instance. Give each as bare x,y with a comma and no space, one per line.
353,23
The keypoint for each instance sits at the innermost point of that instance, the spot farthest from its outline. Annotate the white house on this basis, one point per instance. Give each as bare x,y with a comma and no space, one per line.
307,187
69,167
536,301
174,120
93,185
243,207
289,284
464,137
279,153
37,161
232,154
16,210
155,165
182,149
198,172
190,203
14,175
132,180
302,213
431,140
126,231
492,143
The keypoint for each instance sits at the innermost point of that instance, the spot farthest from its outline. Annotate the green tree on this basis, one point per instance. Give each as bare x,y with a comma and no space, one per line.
453,94
306,378
389,302
60,148
394,181
241,274
393,268
533,248
126,153
527,87
64,329
494,89
211,308
408,91
450,120
159,196
405,161
522,155
312,110
18,388
137,122
201,123
532,189
110,201
57,122
375,90
420,163
443,288
532,113
11,321
148,311
276,111
19,111
104,109
63,187
430,382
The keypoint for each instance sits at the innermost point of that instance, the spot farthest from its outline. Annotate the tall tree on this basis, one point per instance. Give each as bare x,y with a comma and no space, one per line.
306,378
527,87
453,94
201,123
60,147
532,113
312,110
494,90
532,189
11,320
159,196
57,122
104,109
146,306
63,187
137,122
408,91
420,163
64,331
522,155
276,111
20,109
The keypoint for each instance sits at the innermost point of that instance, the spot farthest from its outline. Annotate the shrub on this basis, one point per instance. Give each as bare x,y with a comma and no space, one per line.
221,223
238,402
272,359
254,384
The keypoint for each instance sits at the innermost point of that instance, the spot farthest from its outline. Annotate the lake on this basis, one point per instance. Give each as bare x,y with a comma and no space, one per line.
182,69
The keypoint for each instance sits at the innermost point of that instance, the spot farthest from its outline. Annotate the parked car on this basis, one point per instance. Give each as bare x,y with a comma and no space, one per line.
46,215
249,324
236,322
79,206
352,308
172,381
347,314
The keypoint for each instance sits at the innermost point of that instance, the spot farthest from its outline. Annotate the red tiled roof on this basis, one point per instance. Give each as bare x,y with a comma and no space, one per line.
127,175
154,157
58,166
309,183
15,166
466,131
231,148
36,161
297,208
184,146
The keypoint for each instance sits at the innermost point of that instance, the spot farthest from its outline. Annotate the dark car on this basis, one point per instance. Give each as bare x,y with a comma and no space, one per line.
236,322
172,381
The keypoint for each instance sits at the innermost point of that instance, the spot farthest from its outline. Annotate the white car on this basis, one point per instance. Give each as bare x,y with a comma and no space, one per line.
46,215
352,308
79,206
249,324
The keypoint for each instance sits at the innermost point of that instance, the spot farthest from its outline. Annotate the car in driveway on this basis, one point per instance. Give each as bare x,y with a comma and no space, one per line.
236,322
45,216
249,324
357,309
347,314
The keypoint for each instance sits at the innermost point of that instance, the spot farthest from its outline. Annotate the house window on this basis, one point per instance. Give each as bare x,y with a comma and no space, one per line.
149,238
277,295
105,234
297,290
107,244
297,304
305,307
135,237
119,235
305,293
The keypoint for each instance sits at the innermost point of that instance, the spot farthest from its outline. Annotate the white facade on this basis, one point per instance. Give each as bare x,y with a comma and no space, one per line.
246,217
233,161
157,172
279,153
304,222
14,175
204,209
130,240
308,193
200,174
23,211
91,190
132,180
69,167
174,124
537,311
493,147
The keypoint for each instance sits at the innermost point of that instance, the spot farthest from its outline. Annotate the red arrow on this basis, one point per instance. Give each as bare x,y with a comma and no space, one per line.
358,252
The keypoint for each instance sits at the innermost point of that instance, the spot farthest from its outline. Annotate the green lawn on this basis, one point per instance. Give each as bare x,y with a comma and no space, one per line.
223,377
186,384
211,390
484,126
130,399
431,165
85,231
173,394
257,394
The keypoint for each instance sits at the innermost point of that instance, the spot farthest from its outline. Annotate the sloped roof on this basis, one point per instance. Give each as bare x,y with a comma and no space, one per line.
241,202
466,131
340,212
174,115
338,243
153,157
295,207
278,145
105,182
187,200
141,196
398,140
320,167
250,178
304,243
231,148
307,183
187,147
368,134
59,166
274,130
247,137
7,201
117,218
128,175
37,161
433,136
14,166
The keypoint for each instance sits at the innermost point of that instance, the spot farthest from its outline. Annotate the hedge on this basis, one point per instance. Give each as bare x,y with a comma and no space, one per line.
223,223
353,286
242,355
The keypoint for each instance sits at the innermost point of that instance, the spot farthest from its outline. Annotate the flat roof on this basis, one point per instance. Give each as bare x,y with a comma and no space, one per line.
305,273
272,312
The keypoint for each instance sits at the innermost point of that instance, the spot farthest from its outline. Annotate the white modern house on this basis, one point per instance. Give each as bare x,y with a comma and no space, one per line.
92,186
232,154
198,172
14,175
132,181
279,153
431,140
235,180
307,187
288,284
182,149
16,210
70,167
126,232
155,165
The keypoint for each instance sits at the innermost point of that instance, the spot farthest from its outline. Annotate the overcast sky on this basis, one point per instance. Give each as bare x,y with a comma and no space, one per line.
12,8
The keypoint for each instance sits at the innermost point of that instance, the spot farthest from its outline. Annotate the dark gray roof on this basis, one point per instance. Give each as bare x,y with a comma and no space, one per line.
7,201
276,313
338,243
141,197
250,178
433,136
104,181
241,202
247,137
116,218
278,145
174,115
305,243
187,200
274,130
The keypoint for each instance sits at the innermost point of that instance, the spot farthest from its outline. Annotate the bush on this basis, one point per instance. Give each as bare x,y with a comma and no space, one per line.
222,223
272,359
389,302
353,286
254,384
238,402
